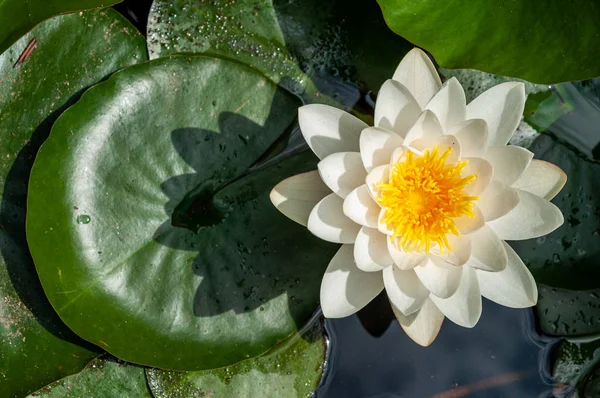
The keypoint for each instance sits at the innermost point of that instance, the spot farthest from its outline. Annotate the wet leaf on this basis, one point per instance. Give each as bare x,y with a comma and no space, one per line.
568,313
73,52
292,369
324,51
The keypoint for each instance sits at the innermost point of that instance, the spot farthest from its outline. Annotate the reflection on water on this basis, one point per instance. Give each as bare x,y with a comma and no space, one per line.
502,356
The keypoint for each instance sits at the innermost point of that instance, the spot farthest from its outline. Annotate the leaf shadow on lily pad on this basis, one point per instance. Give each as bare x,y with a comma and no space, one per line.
13,242
250,257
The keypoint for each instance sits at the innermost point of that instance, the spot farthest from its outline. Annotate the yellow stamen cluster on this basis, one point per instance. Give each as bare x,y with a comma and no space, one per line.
423,197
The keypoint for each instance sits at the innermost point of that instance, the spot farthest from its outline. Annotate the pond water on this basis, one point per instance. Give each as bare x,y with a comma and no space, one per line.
505,355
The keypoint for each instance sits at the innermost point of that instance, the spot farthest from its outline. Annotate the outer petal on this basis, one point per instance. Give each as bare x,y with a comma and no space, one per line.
426,127
542,179
296,196
328,130
342,172
513,287
464,306
440,277
497,200
404,289
467,225
424,325
449,104
404,260
328,221
345,289
370,250
484,172
377,175
377,146
531,218
360,207
487,251
502,108
473,137
396,109
509,162
417,73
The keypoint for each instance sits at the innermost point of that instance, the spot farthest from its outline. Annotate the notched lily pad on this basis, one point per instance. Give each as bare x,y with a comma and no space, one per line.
182,262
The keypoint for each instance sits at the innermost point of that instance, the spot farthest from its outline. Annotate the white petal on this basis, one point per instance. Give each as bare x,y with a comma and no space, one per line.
377,146
467,225
484,172
328,130
404,289
441,278
542,179
345,289
531,218
473,137
443,142
396,109
512,287
426,127
296,196
487,251
379,174
461,249
497,200
342,172
509,162
360,207
449,104
328,221
424,325
398,154
464,306
404,260
502,108
370,250
417,73
381,226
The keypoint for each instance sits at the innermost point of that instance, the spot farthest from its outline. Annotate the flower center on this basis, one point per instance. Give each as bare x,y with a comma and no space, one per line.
423,198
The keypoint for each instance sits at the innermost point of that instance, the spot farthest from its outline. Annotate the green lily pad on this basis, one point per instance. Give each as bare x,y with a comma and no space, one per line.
159,245
568,313
104,377
18,17
539,41
292,369
568,257
73,52
574,368
324,51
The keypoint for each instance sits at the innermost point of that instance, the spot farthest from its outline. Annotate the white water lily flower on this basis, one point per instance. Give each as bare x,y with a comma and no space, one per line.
423,201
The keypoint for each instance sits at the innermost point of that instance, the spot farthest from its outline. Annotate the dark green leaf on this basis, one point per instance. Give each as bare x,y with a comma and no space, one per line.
155,245
102,378
574,363
292,369
539,41
568,257
18,17
325,51
73,52
568,313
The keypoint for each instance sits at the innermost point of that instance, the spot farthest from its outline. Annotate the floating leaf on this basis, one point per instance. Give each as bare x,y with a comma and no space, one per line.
568,313
292,369
324,51
73,52
104,377
182,261
539,41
